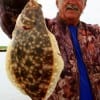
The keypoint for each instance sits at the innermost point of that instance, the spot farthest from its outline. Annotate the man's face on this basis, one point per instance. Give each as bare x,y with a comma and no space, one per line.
70,9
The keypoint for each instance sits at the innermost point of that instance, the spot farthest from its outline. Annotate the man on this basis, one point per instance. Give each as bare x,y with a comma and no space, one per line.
79,44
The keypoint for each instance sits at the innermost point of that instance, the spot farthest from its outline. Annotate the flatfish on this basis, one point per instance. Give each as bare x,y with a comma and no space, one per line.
33,59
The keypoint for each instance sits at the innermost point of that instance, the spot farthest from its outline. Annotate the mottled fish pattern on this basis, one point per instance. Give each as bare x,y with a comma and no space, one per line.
30,56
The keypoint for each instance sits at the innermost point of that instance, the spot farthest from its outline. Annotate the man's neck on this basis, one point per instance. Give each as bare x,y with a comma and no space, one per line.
69,21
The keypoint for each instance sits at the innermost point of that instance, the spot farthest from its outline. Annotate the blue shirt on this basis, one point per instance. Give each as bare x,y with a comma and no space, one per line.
85,86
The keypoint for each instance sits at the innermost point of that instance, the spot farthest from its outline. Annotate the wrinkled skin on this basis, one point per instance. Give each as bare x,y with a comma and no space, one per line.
70,10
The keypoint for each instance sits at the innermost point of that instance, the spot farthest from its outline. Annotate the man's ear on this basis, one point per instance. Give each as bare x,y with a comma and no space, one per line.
84,5
57,3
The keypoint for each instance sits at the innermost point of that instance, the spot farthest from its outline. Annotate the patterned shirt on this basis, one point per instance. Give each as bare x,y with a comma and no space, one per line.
89,40
85,86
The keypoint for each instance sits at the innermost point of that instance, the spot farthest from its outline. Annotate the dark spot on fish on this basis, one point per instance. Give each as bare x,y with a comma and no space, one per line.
46,75
39,50
48,59
28,63
36,73
33,88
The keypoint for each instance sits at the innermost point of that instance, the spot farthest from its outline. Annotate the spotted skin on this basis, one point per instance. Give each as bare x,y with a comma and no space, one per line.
31,55
34,62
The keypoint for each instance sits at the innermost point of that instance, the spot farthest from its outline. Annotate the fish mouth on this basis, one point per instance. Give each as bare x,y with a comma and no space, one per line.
72,7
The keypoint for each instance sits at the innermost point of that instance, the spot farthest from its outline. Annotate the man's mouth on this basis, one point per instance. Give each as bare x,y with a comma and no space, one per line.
72,7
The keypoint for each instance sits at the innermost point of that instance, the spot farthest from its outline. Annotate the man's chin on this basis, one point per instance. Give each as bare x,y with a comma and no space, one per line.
73,20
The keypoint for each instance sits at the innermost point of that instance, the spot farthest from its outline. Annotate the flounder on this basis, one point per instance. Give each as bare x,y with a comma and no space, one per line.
34,62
